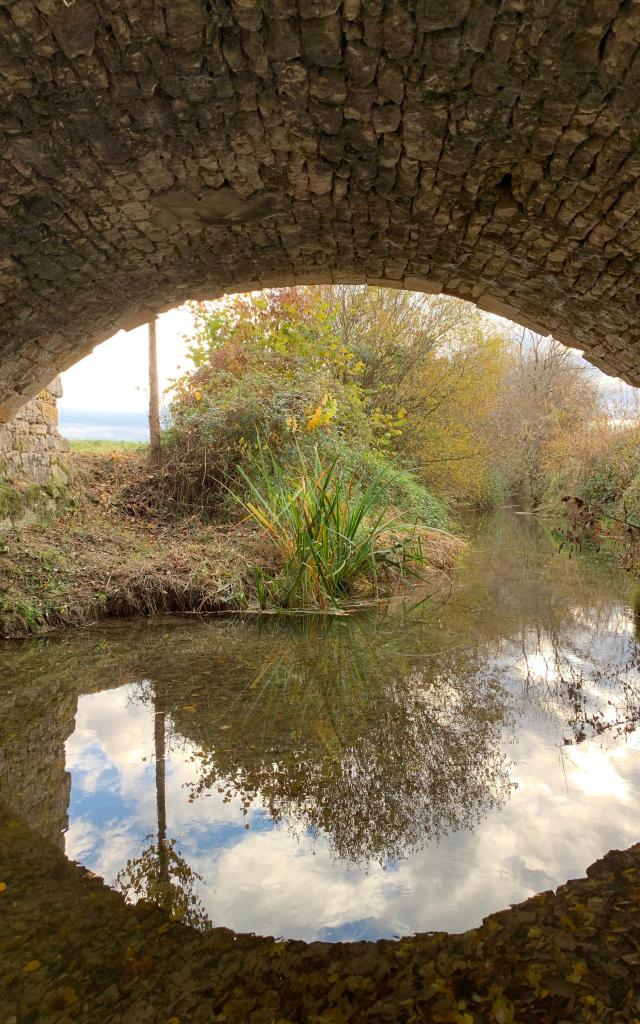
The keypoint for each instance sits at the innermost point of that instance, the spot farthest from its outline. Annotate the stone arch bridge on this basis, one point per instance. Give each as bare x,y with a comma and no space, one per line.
154,151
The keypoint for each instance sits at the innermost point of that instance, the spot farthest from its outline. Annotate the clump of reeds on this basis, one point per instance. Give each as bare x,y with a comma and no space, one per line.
335,537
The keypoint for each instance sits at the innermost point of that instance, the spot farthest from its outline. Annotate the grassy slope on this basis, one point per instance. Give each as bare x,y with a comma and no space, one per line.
93,560
105,447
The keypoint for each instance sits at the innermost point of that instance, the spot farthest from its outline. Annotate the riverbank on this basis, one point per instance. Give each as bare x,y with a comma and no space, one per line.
97,558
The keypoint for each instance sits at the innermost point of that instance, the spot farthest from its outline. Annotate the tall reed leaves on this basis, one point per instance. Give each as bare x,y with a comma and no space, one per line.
333,536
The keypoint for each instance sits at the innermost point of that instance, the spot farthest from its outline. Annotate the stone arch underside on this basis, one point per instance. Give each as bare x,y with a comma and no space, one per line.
151,152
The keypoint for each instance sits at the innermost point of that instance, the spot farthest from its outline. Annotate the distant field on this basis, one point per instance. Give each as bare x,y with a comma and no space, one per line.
103,447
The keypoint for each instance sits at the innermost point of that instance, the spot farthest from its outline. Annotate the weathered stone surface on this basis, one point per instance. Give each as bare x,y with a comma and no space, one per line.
151,152
30,445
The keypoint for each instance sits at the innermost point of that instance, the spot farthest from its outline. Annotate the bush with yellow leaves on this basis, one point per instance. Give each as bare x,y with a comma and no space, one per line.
269,371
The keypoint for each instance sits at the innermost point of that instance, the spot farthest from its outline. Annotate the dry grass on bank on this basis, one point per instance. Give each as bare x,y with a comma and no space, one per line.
94,560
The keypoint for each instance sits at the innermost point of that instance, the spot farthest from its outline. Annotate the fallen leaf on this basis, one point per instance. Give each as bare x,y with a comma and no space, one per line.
503,1012
59,999
578,971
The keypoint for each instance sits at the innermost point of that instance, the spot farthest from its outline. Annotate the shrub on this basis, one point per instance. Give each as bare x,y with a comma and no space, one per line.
239,401
222,409
272,373
605,473
333,535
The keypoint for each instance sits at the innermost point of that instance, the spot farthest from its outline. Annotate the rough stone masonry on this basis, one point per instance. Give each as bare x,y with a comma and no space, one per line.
30,446
151,152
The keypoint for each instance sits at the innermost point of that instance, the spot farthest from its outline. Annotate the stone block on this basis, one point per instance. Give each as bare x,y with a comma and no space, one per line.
279,141
55,387
30,445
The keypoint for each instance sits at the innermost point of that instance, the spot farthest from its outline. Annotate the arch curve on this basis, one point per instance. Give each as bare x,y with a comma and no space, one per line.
154,152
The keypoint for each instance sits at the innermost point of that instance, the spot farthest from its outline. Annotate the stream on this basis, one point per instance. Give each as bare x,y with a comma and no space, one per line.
409,768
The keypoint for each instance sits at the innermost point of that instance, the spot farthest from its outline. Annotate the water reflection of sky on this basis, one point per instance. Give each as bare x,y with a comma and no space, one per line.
450,714
571,805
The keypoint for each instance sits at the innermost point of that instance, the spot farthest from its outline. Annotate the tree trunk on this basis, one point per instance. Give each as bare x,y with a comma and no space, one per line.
154,399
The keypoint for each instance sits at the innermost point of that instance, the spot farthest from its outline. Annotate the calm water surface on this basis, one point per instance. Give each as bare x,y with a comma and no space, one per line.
403,770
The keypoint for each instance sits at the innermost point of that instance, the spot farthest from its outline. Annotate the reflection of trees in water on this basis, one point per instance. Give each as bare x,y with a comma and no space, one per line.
573,640
595,697
160,874
527,582
588,675
364,729
380,753
382,750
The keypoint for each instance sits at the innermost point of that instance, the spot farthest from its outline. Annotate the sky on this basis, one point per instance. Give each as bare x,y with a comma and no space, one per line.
106,394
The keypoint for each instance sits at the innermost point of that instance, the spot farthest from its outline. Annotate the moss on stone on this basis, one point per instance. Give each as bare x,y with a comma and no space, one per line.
34,501
10,500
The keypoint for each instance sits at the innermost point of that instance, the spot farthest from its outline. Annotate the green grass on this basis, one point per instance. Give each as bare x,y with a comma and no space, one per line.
11,501
332,533
104,447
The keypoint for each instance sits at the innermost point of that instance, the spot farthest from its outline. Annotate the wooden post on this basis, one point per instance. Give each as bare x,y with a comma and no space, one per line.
161,794
155,453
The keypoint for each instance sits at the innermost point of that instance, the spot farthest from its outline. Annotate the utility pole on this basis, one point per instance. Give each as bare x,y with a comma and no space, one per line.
161,794
155,454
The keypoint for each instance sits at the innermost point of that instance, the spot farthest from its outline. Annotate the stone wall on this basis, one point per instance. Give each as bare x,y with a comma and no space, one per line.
153,152
34,782
31,448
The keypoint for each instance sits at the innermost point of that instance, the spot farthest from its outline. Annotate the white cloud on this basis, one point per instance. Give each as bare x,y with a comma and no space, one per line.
570,807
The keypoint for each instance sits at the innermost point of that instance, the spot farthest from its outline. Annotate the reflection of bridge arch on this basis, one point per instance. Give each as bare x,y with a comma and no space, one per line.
88,949
168,151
